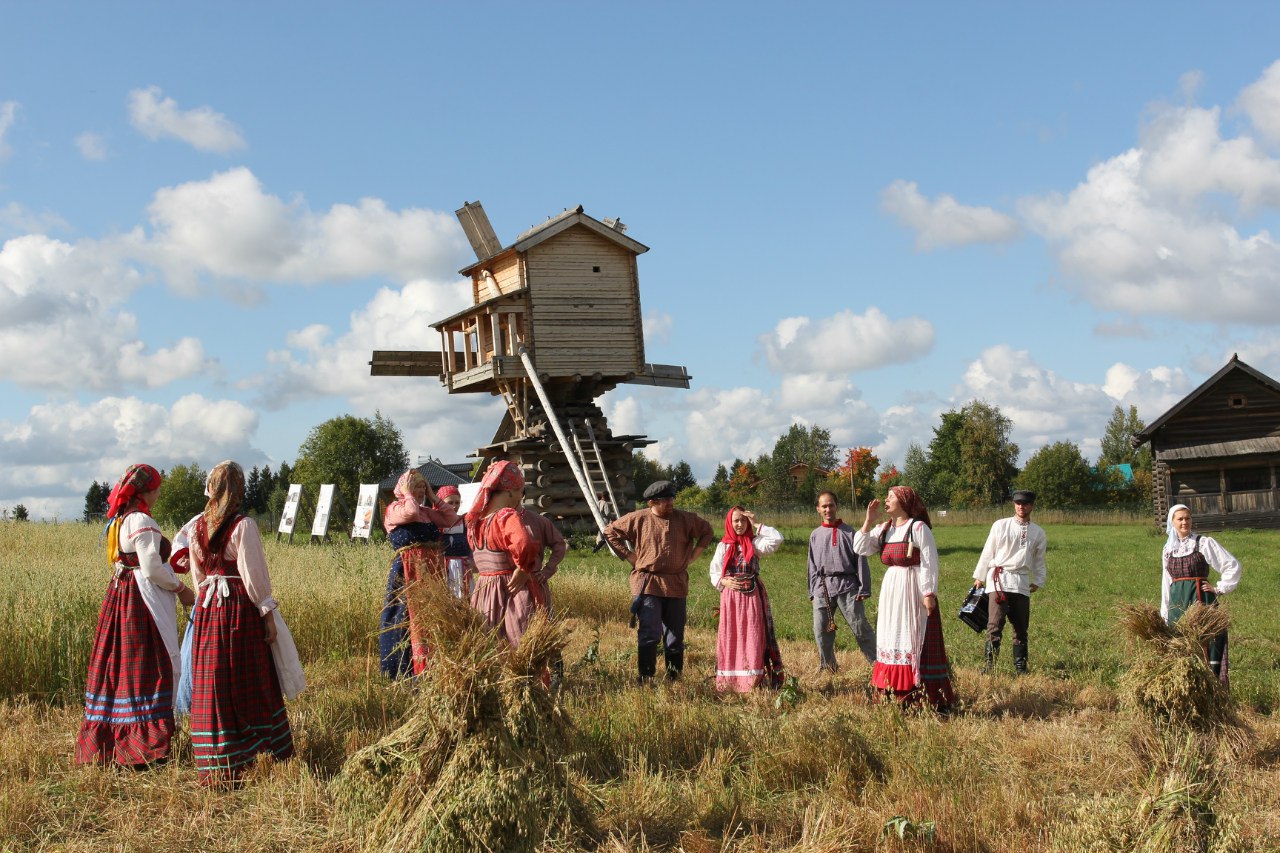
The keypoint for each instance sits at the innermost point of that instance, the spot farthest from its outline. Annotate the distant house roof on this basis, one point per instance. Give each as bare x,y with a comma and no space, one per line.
435,473
1234,364
554,226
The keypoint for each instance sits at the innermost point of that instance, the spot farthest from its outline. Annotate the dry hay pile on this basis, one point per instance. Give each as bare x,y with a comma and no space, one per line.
1168,681
477,765
1187,732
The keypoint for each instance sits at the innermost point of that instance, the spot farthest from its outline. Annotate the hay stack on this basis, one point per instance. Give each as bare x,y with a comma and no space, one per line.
1168,681
477,764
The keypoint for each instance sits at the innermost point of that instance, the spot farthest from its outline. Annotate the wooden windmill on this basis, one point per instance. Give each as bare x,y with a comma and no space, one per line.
555,324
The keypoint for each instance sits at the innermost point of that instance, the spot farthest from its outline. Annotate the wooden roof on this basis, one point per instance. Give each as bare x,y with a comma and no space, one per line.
555,225
1234,364
1244,447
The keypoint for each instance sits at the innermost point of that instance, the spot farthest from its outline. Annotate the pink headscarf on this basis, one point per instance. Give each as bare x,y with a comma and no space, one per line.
137,480
409,479
444,491
735,542
912,505
502,476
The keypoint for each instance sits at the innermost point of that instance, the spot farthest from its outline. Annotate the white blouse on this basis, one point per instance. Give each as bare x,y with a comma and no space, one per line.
1218,558
766,541
868,544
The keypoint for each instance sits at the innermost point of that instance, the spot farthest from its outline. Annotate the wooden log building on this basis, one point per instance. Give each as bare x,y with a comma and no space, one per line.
567,292
1218,451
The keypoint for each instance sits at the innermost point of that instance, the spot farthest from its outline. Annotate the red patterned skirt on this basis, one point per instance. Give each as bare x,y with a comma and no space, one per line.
237,707
128,694
420,560
934,681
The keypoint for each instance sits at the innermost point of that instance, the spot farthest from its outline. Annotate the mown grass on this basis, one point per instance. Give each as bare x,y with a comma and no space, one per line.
1045,762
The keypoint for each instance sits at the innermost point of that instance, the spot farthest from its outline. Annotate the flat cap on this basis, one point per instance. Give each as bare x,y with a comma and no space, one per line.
660,491
1024,496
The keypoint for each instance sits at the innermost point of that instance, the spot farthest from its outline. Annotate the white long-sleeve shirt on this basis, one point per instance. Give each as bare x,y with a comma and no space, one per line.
1019,550
868,544
766,541
1218,558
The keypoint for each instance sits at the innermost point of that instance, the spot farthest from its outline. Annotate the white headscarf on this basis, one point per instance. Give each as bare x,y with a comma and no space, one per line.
1173,539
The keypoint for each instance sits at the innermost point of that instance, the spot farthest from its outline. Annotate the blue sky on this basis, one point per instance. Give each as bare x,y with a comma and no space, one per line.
860,215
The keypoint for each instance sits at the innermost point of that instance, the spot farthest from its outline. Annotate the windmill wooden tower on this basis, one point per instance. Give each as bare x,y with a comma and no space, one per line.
555,323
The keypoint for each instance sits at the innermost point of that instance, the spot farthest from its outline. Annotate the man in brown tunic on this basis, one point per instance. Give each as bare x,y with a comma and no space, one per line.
659,542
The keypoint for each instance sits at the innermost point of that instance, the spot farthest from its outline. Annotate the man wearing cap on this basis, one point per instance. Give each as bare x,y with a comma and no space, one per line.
659,542
1011,567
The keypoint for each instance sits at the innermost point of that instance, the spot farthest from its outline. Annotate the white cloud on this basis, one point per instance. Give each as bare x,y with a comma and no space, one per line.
158,117
49,459
1046,407
657,327
8,114
1260,100
944,221
63,324
92,146
228,228
845,342
16,220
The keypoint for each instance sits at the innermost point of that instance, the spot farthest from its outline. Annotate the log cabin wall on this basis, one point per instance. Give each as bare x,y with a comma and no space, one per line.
584,302
1192,464
507,276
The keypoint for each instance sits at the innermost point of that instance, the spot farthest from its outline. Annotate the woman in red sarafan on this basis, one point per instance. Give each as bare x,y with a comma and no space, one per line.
128,696
911,659
506,556
237,703
747,653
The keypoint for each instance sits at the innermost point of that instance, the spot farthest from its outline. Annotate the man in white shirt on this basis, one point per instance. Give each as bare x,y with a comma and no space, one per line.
1011,567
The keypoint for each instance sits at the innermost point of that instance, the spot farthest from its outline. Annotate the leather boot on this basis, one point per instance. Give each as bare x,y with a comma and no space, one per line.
1020,658
675,665
647,661
993,652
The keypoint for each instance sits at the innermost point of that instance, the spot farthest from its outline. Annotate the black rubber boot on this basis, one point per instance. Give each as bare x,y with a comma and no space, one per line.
675,665
1020,658
647,661
993,652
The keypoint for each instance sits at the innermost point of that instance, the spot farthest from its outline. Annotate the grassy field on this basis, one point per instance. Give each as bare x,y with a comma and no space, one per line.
1052,761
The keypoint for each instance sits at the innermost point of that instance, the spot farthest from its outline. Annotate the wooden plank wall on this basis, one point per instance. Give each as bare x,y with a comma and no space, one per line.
506,272
584,321
1210,418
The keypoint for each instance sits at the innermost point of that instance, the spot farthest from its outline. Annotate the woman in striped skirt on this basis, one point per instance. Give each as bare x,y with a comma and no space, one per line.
413,522
128,697
911,658
237,705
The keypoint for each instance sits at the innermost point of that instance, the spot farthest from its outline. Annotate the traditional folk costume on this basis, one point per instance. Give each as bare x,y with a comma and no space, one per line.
238,679
414,531
543,531
502,546
1185,581
839,578
1012,562
458,568
661,548
128,697
747,653
911,657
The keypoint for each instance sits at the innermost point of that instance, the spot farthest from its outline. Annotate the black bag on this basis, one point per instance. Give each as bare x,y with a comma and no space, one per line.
974,610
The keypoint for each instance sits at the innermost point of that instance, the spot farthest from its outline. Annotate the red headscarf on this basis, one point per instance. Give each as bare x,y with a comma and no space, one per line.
137,480
444,491
911,504
735,542
502,476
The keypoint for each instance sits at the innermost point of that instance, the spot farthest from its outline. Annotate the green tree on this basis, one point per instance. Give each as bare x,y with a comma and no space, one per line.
348,451
742,485
1060,476
1117,441
20,513
682,476
810,445
943,474
988,460
181,495
717,494
254,499
645,472
95,501
916,472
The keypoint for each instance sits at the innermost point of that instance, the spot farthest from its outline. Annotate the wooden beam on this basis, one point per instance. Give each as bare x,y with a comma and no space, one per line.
406,363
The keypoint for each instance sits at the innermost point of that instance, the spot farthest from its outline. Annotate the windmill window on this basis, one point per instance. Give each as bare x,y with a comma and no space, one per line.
595,269
1237,401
